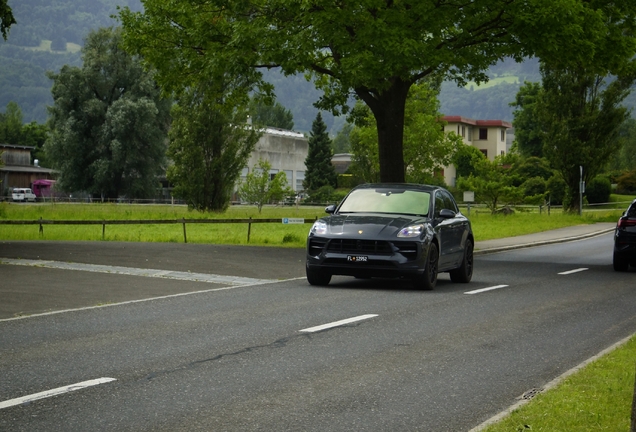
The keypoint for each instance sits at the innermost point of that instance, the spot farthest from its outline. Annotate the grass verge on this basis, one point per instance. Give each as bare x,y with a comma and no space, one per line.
596,398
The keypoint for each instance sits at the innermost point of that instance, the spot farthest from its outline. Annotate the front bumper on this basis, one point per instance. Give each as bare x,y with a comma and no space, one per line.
382,258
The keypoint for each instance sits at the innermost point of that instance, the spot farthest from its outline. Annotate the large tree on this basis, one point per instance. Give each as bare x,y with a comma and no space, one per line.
581,113
427,148
210,144
374,49
109,123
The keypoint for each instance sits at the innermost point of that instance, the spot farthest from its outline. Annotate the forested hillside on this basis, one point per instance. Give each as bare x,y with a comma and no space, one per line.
49,34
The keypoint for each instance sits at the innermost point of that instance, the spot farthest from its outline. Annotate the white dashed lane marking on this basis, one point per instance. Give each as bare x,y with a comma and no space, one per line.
54,392
573,271
338,323
485,289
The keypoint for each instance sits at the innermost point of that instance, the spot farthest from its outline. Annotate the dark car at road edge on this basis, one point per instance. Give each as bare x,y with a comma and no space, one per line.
392,230
625,240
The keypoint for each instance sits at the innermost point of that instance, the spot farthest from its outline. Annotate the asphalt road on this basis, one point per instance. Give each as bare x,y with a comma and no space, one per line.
241,356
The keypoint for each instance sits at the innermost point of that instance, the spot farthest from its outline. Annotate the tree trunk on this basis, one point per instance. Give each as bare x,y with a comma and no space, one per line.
388,110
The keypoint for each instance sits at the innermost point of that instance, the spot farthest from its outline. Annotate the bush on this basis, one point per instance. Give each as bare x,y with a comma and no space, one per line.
598,190
534,186
556,189
626,184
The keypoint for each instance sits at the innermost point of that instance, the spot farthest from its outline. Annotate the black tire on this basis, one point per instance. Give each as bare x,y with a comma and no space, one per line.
317,277
427,280
464,273
620,264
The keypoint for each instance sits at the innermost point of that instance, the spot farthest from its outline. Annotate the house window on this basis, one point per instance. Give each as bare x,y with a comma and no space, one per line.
272,174
484,151
503,152
470,133
289,174
503,134
300,176
463,131
483,133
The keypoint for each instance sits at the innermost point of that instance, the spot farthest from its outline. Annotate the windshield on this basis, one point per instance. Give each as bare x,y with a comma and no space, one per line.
400,201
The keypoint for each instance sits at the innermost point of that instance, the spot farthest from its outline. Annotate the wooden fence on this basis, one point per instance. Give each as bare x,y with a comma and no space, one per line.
41,222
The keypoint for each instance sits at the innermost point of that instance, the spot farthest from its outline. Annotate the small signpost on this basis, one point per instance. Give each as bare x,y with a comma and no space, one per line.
469,197
293,220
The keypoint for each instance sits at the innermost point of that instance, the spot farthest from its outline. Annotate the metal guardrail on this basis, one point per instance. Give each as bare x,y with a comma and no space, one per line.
41,222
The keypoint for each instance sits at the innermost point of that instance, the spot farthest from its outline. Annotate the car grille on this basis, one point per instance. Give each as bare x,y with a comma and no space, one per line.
361,247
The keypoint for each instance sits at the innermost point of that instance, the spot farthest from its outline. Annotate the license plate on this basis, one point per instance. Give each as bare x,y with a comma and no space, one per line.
356,258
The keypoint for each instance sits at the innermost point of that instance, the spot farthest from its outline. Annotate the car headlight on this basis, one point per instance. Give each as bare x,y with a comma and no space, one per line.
319,228
411,231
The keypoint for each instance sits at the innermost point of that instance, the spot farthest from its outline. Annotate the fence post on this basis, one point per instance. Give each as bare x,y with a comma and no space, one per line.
249,229
41,229
185,239
103,229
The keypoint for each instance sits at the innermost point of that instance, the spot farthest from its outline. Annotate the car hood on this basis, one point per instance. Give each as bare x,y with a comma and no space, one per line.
370,225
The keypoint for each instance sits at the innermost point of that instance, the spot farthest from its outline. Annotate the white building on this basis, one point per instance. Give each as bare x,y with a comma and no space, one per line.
286,151
489,136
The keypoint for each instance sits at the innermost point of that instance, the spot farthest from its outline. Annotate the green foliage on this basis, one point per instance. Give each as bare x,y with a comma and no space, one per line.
6,18
270,115
11,124
108,123
374,50
581,113
320,171
625,158
534,190
556,189
528,128
492,184
627,183
341,143
260,187
207,148
534,167
598,190
465,159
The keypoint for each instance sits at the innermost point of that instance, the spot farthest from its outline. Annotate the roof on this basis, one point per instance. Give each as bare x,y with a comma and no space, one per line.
13,146
473,122
26,169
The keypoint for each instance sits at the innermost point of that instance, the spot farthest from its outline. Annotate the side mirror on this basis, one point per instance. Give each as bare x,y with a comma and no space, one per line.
447,214
330,209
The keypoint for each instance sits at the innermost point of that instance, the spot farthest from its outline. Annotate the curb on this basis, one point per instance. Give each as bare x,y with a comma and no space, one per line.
540,243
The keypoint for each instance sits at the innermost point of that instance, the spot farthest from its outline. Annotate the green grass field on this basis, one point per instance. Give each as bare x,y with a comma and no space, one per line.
485,225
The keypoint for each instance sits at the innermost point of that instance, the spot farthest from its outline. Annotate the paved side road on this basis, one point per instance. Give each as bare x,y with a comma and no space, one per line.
36,288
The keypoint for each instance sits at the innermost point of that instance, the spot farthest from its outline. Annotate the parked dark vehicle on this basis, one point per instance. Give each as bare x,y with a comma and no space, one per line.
625,239
392,230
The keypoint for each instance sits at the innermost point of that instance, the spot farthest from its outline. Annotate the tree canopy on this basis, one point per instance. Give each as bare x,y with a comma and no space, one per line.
6,18
109,124
375,50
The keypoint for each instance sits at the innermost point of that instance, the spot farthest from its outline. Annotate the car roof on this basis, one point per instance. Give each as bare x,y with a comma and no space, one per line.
408,186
